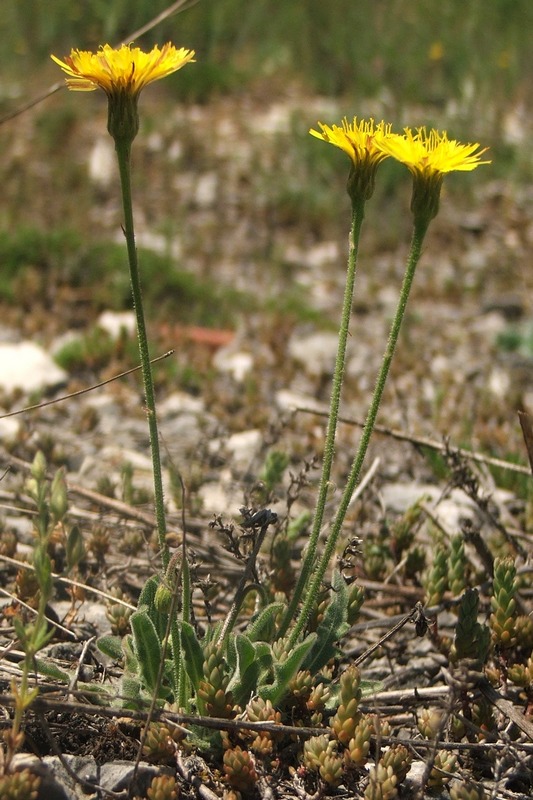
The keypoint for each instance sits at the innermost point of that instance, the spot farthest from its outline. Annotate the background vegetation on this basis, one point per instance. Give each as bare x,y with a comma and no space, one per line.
476,54
265,72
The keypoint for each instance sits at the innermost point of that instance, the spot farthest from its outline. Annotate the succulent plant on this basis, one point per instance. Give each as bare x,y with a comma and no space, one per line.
503,618
347,716
239,769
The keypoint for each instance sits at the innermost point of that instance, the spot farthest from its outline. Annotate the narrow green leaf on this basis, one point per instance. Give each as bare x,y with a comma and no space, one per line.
285,671
244,656
75,549
111,646
194,657
147,648
147,595
262,627
332,628
51,670
253,661
131,662
130,691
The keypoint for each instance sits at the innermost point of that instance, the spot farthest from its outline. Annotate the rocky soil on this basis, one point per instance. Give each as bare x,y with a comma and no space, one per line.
264,386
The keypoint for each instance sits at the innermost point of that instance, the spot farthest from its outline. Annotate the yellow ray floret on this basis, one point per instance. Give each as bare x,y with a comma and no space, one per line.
432,153
359,140
125,69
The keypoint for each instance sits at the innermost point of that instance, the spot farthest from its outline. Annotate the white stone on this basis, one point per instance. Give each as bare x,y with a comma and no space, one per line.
215,499
180,403
9,429
205,192
287,400
499,382
28,367
238,364
243,446
317,352
102,162
115,322
449,512
322,254
276,118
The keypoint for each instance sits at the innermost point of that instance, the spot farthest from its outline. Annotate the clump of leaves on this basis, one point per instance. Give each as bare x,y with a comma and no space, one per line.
50,498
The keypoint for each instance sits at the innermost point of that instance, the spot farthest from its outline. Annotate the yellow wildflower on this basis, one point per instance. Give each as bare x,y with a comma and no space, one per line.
122,73
124,69
361,141
429,156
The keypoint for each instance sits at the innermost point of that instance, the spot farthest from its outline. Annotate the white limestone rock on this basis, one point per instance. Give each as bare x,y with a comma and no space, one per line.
27,367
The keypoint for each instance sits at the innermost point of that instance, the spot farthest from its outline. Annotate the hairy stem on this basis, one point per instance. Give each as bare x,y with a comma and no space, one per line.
123,150
329,444
313,589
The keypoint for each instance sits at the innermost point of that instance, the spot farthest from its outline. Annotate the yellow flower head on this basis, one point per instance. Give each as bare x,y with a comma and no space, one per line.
429,156
122,73
425,153
361,141
126,69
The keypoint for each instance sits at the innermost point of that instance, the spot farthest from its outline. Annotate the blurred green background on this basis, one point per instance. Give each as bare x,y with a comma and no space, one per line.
229,185
473,57
464,67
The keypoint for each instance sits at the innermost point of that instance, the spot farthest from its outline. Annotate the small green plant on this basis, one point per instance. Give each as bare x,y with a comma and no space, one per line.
21,785
163,787
385,777
272,657
50,498
503,618
467,790
93,350
320,754
344,723
444,766
472,638
239,769
457,566
436,581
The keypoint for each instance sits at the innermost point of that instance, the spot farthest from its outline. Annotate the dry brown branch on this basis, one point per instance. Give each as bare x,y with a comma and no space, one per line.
46,703
423,441
179,5
196,782
506,708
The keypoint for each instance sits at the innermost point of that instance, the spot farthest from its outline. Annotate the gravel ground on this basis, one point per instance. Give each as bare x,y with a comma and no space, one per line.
450,381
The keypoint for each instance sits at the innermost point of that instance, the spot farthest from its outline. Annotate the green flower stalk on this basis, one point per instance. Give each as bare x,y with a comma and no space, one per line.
428,157
360,141
122,73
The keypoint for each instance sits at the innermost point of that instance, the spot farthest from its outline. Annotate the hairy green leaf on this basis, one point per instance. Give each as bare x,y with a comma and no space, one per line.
262,627
111,646
284,671
332,628
147,648
194,657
